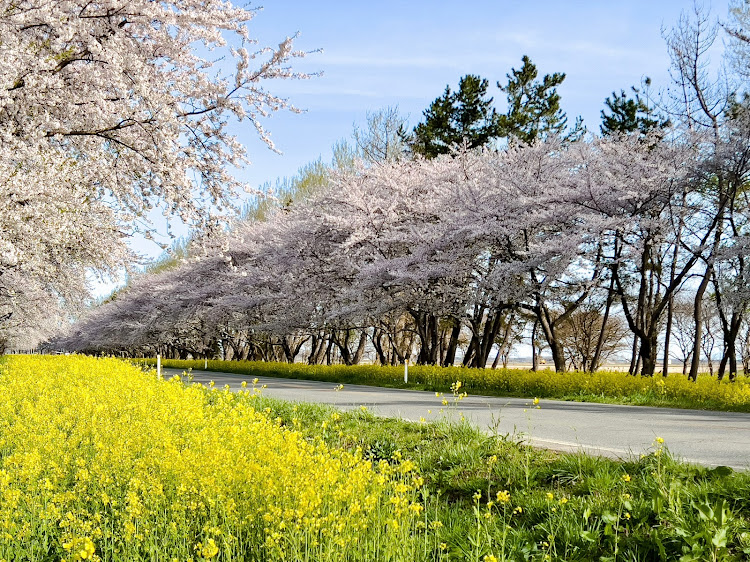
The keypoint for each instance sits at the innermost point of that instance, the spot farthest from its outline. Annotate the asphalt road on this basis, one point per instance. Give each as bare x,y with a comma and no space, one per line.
707,438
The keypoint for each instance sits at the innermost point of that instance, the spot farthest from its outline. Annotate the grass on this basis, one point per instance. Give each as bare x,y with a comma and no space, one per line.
100,461
605,387
488,497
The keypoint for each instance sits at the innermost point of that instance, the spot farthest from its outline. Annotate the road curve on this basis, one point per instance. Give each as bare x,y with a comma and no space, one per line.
697,436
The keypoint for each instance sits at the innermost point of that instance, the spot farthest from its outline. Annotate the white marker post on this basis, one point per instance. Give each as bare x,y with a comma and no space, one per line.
205,363
158,366
406,370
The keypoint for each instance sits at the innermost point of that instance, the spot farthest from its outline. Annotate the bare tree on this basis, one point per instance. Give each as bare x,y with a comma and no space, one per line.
586,331
381,140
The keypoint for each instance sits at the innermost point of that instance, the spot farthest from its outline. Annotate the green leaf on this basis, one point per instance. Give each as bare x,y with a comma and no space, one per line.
705,511
609,517
719,540
590,536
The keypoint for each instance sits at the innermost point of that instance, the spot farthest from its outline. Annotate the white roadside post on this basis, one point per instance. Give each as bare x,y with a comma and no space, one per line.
205,363
158,366
406,370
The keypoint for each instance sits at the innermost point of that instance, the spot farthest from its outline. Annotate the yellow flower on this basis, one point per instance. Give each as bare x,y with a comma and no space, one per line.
489,558
626,477
303,485
550,496
536,401
503,497
208,550
659,440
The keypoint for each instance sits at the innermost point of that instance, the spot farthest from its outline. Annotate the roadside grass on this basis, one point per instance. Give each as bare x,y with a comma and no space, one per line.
101,461
491,497
674,391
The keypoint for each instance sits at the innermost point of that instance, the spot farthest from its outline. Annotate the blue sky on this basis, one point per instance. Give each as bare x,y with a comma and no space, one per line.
387,53
378,54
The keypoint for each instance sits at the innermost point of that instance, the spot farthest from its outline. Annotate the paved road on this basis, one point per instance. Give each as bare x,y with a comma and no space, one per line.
708,438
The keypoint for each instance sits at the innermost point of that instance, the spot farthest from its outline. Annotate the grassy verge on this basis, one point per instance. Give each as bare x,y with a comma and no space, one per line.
610,387
489,498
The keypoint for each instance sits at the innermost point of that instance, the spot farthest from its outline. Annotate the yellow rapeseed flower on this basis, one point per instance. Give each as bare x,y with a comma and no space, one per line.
107,474
503,497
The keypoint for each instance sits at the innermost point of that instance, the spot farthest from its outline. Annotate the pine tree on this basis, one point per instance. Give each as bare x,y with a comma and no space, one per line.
456,117
627,115
533,106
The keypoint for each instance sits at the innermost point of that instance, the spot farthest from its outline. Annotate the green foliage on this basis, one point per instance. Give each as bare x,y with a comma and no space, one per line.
611,387
456,117
625,115
533,106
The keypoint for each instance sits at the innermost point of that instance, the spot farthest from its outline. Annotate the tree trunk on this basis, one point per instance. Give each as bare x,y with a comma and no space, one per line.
555,346
360,351
600,341
427,330
698,318
647,355
450,352
377,343
483,343
667,335
670,302
634,356
329,348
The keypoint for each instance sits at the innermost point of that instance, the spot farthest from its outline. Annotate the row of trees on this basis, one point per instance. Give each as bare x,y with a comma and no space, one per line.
407,255
410,250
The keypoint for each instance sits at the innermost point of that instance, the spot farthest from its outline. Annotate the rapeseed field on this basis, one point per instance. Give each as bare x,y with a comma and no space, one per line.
603,386
101,461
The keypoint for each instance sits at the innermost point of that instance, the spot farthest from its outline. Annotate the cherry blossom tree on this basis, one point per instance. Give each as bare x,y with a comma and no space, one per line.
109,110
